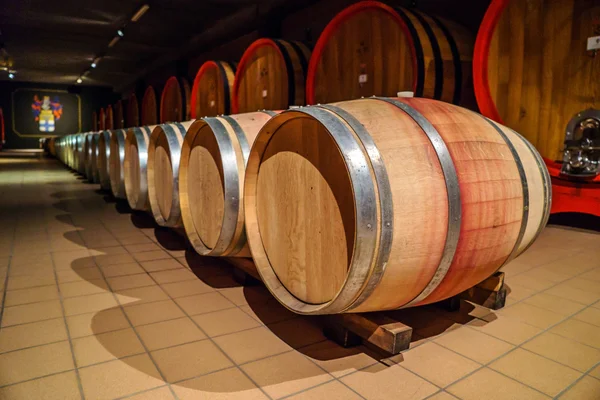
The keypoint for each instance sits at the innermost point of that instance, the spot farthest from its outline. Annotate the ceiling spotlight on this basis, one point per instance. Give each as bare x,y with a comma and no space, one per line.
11,75
121,32
138,14
79,80
93,65
114,41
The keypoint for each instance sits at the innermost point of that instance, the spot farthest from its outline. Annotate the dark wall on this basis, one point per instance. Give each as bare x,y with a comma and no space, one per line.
92,98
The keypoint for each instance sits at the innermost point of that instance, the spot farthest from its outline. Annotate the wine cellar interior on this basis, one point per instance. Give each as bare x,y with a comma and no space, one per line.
312,199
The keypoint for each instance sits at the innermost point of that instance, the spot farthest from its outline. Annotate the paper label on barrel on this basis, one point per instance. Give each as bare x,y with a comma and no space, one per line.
264,93
593,43
362,78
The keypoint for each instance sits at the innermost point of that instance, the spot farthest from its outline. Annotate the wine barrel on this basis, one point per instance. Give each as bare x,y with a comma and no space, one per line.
104,160
164,152
52,146
172,101
80,153
133,112
94,121
270,76
187,96
94,158
115,168
384,203
119,121
212,90
149,109
135,166
87,156
531,70
371,49
110,118
211,178
102,120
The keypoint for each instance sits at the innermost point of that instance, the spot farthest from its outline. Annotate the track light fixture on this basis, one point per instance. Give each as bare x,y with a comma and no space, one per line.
79,80
139,13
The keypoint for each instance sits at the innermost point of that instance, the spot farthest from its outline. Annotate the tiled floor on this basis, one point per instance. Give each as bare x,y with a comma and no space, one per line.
98,303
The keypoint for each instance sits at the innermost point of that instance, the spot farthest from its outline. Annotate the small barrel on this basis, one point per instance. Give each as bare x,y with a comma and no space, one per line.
270,76
531,70
110,118
385,203
102,119
115,169
104,160
212,90
119,119
173,101
371,49
133,112
164,152
211,178
135,165
149,108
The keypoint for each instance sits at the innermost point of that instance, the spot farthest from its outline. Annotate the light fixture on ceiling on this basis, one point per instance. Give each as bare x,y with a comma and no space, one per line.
121,32
93,65
95,62
79,80
11,75
139,13
114,41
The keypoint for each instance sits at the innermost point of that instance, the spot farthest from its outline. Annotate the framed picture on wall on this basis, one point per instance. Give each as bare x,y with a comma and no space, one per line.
45,112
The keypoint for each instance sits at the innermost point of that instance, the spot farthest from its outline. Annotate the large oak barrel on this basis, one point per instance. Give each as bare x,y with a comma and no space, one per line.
104,160
115,168
80,153
164,153
173,101
87,156
211,179
149,108
531,70
135,166
187,96
133,112
270,76
110,118
95,172
212,90
373,49
119,119
383,203
102,119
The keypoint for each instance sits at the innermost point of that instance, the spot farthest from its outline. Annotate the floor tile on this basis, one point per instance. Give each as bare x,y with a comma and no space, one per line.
186,288
540,373
251,345
590,315
70,275
32,334
32,295
203,303
113,259
532,315
153,312
285,374
230,384
130,281
22,365
554,303
138,248
190,360
169,333
333,390
119,378
570,292
579,331
96,322
380,382
564,351
61,386
225,321
507,329
145,294
122,269
82,288
29,281
490,385
595,372
474,345
586,388
150,258
31,312
163,393
86,304
337,360
106,346
175,275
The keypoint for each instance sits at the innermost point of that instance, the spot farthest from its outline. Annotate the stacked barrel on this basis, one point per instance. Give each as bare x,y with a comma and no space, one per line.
351,205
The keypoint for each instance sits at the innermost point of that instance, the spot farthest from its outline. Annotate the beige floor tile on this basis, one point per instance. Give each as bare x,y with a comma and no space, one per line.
106,346
113,259
122,269
38,270
579,331
82,288
106,251
586,389
225,321
164,263
190,360
298,332
537,372
229,384
69,275
55,387
30,258
270,313
565,351
251,345
203,303
136,239
33,334
507,329
590,315
141,314
380,382
30,281
96,323
186,288
149,256
490,385
31,312
474,345
595,372
593,275
517,292
442,396
22,365
119,283
554,303
570,292
532,315
119,378
437,364
337,360
333,390
174,275
145,294
86,304
138,248
530,282
163,393
587,285
285,374
32,295
170,333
